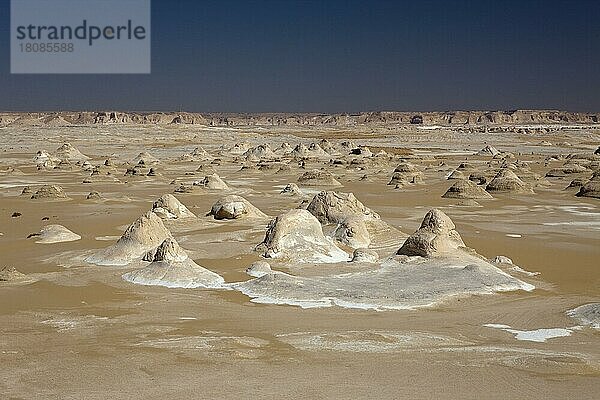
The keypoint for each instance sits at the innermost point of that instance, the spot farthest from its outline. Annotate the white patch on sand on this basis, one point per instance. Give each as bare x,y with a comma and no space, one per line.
513,235
108,238
370,341
536,335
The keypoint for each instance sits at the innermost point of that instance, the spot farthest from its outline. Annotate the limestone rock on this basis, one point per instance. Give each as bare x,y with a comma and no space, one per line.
234,207
168,207
297,235
436,236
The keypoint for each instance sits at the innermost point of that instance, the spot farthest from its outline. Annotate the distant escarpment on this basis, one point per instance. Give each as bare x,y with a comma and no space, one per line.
448,118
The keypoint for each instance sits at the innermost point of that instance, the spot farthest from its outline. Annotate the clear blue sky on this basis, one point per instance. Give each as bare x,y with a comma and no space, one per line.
338,56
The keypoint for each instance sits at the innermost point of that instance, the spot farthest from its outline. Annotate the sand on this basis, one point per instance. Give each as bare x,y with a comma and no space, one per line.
379,325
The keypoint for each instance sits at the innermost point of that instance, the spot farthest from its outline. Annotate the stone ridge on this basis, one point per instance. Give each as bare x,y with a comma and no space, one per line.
453,118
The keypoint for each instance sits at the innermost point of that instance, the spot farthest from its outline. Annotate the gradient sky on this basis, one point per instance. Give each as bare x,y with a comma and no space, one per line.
341,56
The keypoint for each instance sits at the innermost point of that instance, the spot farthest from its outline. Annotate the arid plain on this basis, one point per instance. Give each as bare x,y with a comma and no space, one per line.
163,255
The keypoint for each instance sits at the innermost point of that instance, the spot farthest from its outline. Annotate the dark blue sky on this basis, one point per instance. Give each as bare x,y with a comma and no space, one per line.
335,56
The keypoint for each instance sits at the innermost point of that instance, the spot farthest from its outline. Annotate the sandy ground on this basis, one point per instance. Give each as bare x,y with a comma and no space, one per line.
80,331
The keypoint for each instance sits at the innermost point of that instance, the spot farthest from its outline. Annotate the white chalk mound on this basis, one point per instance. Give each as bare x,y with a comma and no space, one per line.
406,174
43,159
334,207
235,207
56,234
297,235
143,235
171,267
212,182
587,314
70,153
11,275
436,236
50,192
145,158
402,282
466,189
591,188
352,232
291,189
488,151
258,269
168,207
506,181
318,178
356,225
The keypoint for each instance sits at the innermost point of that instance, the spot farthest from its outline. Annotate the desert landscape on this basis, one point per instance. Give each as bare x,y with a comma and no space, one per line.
368,255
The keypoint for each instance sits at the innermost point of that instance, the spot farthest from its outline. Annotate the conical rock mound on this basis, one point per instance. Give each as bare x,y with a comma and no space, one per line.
334,207
466,189
292,189
297,235
591,188
168,207
171,267
50,192
234,207
212,182
70,153
488,151
144,234
436,236
56,234
506,181
318,178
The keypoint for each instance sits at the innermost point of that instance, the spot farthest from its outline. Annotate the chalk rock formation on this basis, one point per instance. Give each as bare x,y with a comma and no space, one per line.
258,269
587,314
239,148
405,174
352,232
198,154
168,207
50,192
262,151
70,153
488,151
567,169
591,188
234,207
171,267
334,207
144,234
212,182
55,234
10,274
297,235
436,236
466,189
356,225
43,159
292,189
318,178
576,183
506,181
301,151
93,195
145,158
363,255
456,175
